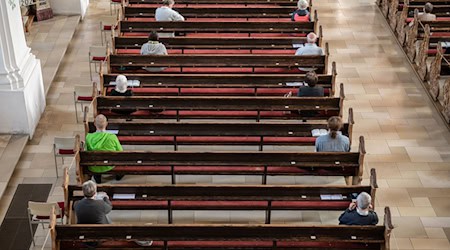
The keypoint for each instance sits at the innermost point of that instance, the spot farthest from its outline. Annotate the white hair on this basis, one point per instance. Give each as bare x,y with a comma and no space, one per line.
100,122
302,4
311,38
121,83
89,189
363,200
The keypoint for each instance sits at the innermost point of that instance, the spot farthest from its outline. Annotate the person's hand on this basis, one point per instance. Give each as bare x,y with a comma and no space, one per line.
370,207
352,206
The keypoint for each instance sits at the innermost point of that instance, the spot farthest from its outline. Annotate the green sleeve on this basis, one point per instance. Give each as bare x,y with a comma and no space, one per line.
118,147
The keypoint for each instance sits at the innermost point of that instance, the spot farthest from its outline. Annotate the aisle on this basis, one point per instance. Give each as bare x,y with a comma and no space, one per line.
406,139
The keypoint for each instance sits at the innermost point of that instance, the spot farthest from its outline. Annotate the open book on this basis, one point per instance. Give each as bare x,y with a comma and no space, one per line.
318,132
131,83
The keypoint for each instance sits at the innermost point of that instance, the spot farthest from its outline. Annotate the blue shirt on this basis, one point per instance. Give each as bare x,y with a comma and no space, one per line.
325,143
309,49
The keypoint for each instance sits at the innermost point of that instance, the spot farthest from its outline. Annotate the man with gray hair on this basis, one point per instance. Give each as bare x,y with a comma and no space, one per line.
102,140
166,13
93,208
308,49
359,212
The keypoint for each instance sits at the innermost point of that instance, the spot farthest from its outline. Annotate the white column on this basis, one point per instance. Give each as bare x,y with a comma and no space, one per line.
70,7
22,98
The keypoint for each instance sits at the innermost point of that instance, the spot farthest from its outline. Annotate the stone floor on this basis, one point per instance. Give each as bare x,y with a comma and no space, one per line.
406,139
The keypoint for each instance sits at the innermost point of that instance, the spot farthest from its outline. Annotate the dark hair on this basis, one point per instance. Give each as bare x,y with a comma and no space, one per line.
311,78
428,7
334,125
153,36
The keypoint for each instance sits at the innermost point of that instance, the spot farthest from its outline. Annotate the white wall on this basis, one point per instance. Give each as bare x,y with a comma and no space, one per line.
69,7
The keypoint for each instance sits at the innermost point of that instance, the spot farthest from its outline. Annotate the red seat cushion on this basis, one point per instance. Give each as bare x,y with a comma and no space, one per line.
315,171
219,204
145,204
116,1
85,98
219,244
128,51
66,151
311,205
98,58
146,90
218,91
145,138
137,169
290,139
219,139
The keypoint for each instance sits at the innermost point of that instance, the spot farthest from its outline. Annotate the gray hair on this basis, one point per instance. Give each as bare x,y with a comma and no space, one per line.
302,4
363,200
89,189
168,2
121,83
311,38
100,122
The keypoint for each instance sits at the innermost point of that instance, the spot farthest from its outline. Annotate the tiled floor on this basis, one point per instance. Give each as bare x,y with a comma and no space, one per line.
406,139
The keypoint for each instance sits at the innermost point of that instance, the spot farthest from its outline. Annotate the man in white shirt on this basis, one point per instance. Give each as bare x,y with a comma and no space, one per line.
166,13
310,48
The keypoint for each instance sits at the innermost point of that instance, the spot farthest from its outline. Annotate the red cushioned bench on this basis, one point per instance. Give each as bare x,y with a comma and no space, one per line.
217,133
212,63
219,107
260,163
222,3
221,237
246,28
225,197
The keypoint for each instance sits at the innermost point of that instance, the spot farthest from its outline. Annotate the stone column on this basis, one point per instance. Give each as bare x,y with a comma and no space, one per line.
22,97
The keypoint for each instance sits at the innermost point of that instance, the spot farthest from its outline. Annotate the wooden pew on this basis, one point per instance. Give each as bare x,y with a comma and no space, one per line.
223,45
217,133
236,3
217,107
224,197
235,63
347,164
229,236
217,84
213,29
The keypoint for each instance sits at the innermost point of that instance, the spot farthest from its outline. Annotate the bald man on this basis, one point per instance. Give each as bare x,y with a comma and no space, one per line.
102,141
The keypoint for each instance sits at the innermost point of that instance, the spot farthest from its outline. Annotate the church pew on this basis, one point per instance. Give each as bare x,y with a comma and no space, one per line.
217,107
224,45
217,133
210,63
235,3
221,237
214,29
259,163
224,197
217,84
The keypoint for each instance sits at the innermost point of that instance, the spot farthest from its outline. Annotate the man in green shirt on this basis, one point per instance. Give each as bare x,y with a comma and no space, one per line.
102,141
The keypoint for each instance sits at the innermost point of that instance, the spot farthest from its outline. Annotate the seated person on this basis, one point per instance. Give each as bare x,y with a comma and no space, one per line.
102,141
153,47
94,209
359,213
426,15
301,14
166,13
334,141
311,89
122,90
309,48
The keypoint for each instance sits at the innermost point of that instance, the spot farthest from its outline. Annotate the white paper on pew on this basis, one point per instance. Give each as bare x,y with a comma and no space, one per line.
124,196
445,44
337,197
325,197
131,83
297,45
295,84
318,132
113,131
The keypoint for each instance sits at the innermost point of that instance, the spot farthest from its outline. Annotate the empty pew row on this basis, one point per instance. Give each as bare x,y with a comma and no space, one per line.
218,84
217,45
217,133
347,164
264,14
228,236
222,3
218,107
197,63
214,29
223,197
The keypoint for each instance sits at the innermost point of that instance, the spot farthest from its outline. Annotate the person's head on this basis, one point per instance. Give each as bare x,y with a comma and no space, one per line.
89,189
363,201
121,83
334,125
101,122
302,4
311,78
153,36
168,3
311,38
428,8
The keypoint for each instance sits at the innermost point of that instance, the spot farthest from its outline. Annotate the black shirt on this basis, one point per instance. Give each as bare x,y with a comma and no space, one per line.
90,211
352,217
